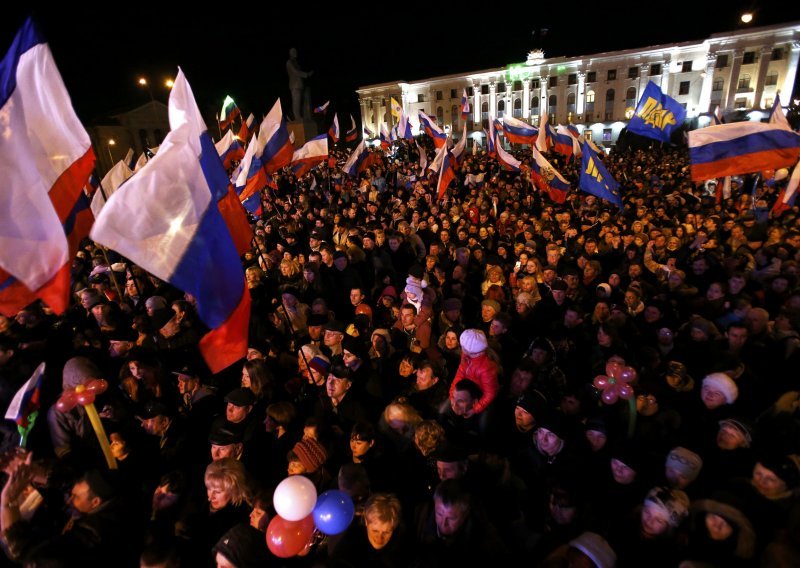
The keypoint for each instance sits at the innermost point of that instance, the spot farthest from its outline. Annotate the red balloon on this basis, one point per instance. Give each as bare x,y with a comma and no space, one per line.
287,538
97,386
627,375
600,382
625,392
611,394
613,369
85,398
67,401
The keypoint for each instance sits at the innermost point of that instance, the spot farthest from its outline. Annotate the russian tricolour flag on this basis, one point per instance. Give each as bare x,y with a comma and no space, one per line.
518,132
45,159
432,129
322,108
741,148
228,113
274,136
547,179
333,131
166,220
506,160
313,152
246,129
464,105
26,401
229,149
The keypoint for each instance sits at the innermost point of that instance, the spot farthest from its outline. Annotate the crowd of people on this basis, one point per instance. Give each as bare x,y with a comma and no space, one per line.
436,361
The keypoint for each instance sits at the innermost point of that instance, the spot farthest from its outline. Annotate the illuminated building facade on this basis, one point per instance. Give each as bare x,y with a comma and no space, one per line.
741,70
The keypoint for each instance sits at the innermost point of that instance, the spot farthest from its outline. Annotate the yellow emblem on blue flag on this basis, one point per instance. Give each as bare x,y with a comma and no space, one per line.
657,115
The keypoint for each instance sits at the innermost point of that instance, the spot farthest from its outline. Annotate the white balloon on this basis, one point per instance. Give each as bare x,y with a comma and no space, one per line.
780,174
294,498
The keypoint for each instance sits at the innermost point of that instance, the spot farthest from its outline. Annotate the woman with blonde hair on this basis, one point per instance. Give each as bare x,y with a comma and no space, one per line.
229,497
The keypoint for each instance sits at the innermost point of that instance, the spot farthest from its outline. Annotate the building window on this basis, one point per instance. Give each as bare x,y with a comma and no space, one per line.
572,79
749,57
722,61
687,67
744,82
609,104
633,72
518,108
420,98
587,133
470,92
683,89
535,105
606,135
535,84
591,76
769,102
517,85
655,69
630,97
484,110
438,95
589,101
501,109
772,79
571,102
553,82
777,54
740,103
439,115
552,104
610,95
453,93
484,89
612,75
717,85
455,112
501,87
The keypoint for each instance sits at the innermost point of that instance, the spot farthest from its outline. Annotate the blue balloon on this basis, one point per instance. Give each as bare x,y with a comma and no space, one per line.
333,512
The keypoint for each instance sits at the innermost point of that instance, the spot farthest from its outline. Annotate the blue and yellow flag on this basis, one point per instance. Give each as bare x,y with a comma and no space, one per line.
657,115
596,180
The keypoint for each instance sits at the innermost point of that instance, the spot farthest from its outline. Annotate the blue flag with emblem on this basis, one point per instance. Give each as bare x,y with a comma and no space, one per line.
657,115
596,180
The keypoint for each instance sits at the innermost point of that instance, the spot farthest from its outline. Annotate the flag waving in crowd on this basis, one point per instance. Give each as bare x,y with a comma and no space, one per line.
596,180
179,232
657,115
46,158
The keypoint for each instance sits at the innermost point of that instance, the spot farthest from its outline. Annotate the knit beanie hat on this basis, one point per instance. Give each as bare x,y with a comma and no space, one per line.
785,467
724,384
494,304
473,341
672,503
686,462
243,546
596,548
311,454
320,364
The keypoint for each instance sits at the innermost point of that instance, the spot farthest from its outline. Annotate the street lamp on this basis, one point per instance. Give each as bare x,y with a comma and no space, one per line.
111,142
747,17
169,83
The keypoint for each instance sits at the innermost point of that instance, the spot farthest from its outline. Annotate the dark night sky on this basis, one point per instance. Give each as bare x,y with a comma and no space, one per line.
101,51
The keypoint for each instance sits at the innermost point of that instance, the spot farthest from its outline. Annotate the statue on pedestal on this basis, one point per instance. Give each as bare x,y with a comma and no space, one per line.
301,97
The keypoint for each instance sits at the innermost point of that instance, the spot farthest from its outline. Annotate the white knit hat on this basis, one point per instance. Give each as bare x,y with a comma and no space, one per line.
473,341
724,384
596,548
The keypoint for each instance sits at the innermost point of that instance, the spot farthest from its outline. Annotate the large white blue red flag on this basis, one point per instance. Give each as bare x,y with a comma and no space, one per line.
464,105
741,148
333,131
166,220
228,113
547,178
432,129
229,149
518,132
313,152
45,159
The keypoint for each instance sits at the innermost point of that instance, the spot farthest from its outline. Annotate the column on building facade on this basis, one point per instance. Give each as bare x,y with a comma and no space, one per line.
791,70
526,98
708,83
492,100
734,80
543,102
644,78
476,102
364,111
763,65
665,72
404,101
581,98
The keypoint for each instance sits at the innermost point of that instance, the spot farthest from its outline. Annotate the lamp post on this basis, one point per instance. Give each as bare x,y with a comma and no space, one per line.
111,142
747,17
169,83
